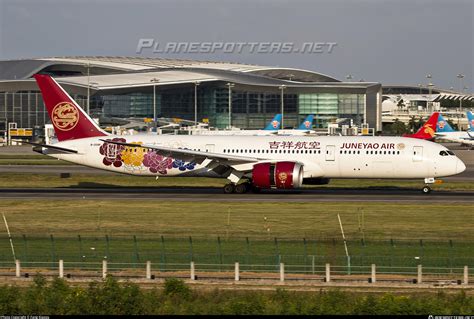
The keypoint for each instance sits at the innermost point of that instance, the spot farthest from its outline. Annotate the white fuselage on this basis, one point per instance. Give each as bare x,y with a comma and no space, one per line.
321,156
457,136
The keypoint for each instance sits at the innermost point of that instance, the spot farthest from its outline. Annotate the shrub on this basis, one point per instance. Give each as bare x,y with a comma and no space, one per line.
176,287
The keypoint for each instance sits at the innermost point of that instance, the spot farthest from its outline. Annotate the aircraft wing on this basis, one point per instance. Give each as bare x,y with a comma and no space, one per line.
195,156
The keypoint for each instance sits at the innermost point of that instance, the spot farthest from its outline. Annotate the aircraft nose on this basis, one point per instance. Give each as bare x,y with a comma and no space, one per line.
460,166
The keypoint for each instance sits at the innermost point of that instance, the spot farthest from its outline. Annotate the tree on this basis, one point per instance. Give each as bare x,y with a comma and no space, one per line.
398,127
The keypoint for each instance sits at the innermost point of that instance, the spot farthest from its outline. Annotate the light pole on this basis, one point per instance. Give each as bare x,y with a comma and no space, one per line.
89,85
460,77
88,66
282,88
196,84
230,86
430,85
154,81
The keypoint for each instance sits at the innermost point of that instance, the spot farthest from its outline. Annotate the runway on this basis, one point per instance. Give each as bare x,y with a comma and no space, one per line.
397,195
467,175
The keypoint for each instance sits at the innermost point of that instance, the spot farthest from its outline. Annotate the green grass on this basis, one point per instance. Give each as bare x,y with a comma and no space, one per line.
20,180
237,219
219,232
30,159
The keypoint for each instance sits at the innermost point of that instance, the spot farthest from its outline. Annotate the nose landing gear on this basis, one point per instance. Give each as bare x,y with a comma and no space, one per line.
426,189
430,180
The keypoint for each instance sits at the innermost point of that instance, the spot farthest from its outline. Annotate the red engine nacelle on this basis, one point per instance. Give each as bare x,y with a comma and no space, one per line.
283,175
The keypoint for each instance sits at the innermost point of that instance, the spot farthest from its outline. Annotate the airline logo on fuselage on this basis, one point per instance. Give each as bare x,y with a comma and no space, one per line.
372,146
65,116
298,145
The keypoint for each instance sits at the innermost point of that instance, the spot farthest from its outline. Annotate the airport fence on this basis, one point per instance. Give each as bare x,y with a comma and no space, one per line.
301,254
238,272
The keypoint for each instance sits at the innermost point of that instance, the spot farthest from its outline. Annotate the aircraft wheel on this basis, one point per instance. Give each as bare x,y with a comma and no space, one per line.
229,188
241,188
426,190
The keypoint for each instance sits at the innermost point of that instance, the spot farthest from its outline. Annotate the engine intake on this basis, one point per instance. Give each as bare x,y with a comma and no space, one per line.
282,175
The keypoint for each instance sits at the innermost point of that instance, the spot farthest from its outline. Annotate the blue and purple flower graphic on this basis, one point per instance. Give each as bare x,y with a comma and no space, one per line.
114,155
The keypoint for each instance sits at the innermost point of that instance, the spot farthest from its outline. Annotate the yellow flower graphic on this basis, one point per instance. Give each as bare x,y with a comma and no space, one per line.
133,155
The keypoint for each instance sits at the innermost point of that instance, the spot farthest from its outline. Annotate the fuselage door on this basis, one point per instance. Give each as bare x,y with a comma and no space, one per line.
417,153
330,152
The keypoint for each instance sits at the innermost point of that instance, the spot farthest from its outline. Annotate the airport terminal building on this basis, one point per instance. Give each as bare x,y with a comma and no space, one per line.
133,87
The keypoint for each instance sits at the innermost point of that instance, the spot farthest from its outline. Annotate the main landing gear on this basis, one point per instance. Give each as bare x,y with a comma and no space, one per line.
241,188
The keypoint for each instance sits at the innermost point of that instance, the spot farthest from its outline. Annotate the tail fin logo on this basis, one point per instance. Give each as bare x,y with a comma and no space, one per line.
307,124
275,124
441,124
429,130
65,116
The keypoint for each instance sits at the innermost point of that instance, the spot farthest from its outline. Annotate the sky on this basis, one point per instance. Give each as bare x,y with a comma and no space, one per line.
387,41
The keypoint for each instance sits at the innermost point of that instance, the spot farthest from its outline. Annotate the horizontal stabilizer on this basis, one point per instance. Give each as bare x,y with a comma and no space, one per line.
52,147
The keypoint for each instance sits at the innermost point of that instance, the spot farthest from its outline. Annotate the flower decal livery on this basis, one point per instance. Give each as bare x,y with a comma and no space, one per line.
112,152
133,156
182,165
157,163
139,158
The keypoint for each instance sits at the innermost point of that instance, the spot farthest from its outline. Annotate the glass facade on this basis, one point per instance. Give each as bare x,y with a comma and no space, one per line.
131,105
329,106
250,109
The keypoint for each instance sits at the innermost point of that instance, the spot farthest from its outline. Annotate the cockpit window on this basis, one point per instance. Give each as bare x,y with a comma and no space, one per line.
450,152
443,153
